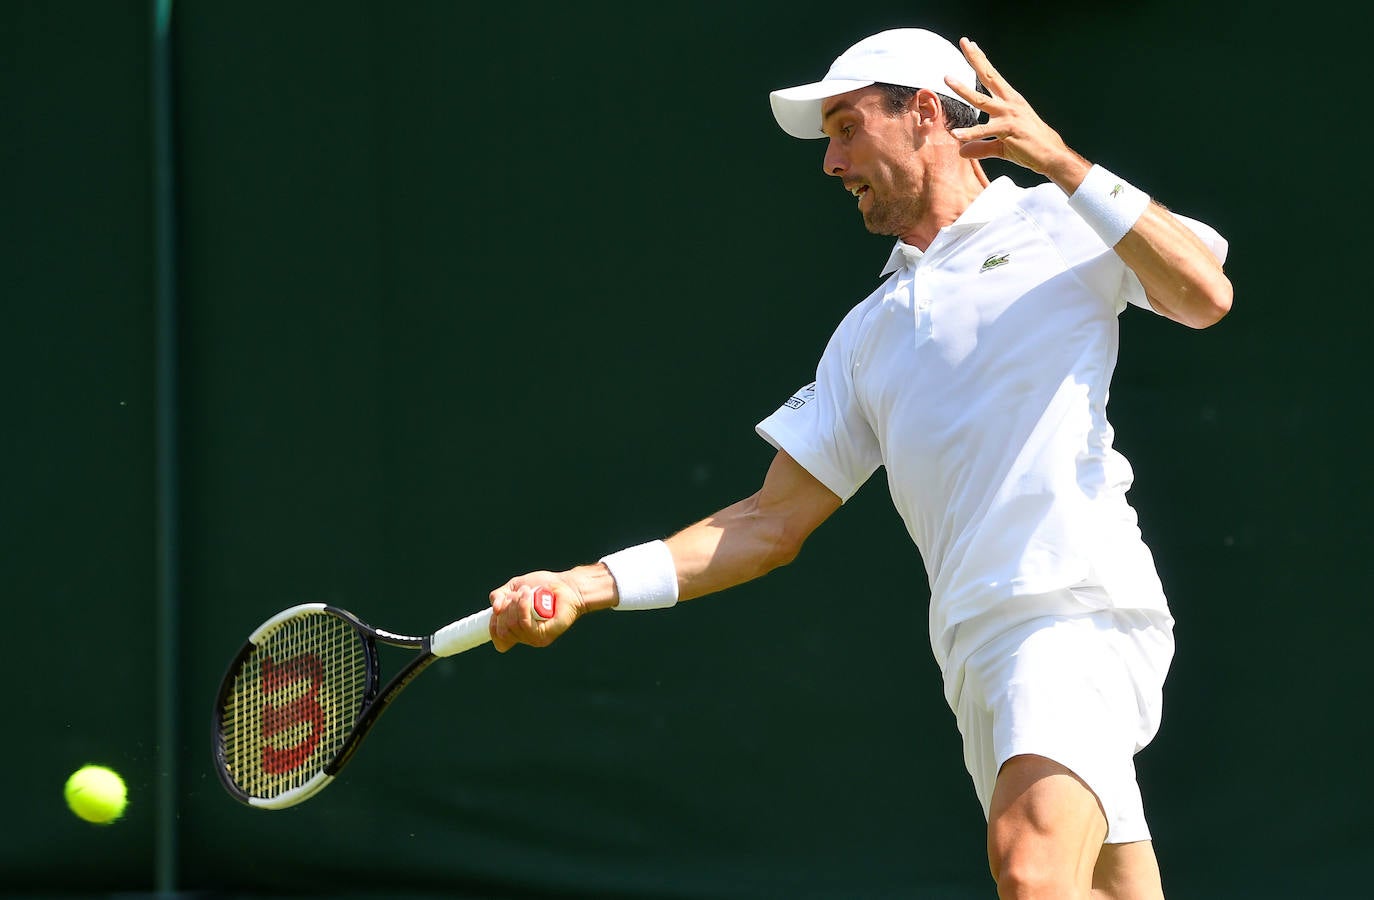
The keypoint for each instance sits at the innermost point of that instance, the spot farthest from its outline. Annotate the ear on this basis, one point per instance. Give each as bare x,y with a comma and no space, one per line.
928,108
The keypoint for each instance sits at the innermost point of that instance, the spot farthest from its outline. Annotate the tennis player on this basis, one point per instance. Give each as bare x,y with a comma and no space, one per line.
977,374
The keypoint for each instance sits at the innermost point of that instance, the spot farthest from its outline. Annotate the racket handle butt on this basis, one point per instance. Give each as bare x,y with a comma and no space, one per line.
545,605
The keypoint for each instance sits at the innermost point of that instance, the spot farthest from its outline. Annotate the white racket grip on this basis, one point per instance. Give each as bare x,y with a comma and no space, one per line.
466,633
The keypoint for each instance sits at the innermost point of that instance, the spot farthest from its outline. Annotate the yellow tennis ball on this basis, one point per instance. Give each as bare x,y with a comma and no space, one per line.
97,794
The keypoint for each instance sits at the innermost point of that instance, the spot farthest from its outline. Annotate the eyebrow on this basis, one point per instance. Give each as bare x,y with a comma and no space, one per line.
837,108
842,106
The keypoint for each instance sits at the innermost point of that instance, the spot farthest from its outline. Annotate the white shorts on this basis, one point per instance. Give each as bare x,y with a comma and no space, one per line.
1083,690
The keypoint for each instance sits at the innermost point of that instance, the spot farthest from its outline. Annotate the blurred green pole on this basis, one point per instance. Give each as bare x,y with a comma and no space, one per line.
165,309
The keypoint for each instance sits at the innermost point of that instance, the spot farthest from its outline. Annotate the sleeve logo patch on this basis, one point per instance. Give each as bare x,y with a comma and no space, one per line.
802,397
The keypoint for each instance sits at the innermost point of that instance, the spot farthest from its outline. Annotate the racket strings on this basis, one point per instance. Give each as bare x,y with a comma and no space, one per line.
293,703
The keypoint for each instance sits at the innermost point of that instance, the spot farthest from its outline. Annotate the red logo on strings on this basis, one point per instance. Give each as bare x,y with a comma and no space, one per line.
305,708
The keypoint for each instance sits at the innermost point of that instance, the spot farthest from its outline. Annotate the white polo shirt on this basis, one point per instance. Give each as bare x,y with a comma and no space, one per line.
977,375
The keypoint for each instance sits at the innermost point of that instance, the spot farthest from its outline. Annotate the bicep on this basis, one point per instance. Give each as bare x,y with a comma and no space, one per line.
754,536
796,497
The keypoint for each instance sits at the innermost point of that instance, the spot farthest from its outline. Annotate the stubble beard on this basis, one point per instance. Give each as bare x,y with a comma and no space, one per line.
892,217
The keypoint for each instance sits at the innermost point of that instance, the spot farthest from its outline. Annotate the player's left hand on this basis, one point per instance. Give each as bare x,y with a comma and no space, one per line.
1013,131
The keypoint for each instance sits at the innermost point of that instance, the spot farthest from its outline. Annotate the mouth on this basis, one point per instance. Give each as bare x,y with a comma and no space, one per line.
858,190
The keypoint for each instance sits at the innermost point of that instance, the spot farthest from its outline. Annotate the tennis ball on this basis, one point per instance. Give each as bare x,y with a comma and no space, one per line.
96,794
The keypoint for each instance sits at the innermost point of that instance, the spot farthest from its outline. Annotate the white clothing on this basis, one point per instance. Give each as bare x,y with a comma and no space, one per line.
1085,691
977,374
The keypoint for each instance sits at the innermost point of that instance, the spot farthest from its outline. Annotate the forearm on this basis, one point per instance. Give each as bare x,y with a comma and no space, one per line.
1182,278
737,544
741,542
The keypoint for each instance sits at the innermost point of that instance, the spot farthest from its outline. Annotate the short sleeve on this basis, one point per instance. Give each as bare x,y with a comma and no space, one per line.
822,425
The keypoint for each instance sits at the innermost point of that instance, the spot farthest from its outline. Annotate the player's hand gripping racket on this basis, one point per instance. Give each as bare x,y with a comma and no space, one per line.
305,690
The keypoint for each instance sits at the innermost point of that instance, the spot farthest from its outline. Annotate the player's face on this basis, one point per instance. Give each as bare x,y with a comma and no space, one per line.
874,155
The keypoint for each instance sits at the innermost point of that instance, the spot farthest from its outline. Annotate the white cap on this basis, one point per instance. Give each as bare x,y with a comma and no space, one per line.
912,57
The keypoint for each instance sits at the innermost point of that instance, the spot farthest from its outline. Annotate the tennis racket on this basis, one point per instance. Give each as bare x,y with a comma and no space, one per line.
298,699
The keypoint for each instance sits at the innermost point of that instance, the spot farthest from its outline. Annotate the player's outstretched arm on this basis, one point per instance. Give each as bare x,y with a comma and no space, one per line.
1182,276
737,544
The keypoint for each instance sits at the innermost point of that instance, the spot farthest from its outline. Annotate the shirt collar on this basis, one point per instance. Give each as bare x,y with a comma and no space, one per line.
995,199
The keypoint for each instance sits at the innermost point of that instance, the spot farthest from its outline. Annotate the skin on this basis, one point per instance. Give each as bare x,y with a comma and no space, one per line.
913,177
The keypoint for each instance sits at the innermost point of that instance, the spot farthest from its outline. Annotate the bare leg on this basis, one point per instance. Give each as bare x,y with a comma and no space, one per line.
1045,831
1127,872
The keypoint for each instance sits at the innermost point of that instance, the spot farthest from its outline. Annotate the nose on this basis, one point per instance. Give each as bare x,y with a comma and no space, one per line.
834,162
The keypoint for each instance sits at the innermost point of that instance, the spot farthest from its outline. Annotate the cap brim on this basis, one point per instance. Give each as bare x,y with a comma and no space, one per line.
798,109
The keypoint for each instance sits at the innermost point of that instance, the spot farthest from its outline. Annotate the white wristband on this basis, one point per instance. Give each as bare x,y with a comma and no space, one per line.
1109,205
645,577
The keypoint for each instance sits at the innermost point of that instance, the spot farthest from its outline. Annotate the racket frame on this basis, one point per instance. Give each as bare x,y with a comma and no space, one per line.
456,637
375,699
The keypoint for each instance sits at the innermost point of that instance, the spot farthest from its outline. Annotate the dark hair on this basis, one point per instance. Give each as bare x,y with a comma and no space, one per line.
958,114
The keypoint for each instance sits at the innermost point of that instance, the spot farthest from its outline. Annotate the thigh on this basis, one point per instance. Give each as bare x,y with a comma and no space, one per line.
1127,872
1045,828
1061,689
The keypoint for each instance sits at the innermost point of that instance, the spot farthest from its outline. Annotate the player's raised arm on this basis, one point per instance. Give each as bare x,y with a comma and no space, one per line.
737,544
1181,274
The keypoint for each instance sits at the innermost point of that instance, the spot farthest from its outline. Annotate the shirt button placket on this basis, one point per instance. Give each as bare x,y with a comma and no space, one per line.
920,306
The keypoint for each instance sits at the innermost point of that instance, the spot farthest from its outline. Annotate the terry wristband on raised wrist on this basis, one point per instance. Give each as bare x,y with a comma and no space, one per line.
1108,204
645,577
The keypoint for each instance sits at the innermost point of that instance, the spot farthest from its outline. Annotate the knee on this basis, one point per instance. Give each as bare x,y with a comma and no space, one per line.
1029,866
1019,877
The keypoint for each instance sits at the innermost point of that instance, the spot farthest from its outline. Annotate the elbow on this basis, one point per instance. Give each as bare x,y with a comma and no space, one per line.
783,547
1200,306
786,551
778,542
1214,305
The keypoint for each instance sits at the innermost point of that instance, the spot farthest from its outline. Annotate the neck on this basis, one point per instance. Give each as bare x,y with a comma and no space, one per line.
948,192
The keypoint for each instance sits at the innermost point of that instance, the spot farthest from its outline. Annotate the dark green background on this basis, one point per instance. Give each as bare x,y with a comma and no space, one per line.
467,291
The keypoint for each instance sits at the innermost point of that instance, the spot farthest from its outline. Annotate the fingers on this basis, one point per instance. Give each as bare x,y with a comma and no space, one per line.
966,92
1000,96
981,141
987,74
1011,130
511,618
982,149
516,617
